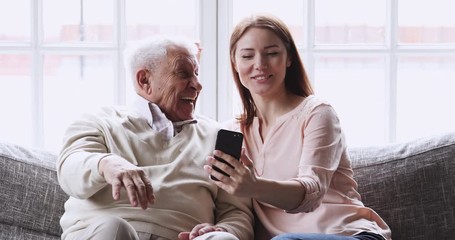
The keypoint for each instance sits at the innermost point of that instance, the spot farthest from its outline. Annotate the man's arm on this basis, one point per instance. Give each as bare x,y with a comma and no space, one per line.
85,166
77,165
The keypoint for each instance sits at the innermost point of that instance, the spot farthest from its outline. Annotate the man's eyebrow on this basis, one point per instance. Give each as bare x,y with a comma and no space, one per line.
179,67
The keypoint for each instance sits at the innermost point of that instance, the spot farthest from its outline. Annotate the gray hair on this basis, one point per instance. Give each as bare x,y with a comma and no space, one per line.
148,53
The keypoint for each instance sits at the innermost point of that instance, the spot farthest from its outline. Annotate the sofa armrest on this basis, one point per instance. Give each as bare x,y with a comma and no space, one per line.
410,185
31,200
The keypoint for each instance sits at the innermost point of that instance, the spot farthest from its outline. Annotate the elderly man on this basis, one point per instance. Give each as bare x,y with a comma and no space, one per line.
137,172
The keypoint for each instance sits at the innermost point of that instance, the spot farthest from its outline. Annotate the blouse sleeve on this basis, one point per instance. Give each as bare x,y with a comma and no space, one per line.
323,145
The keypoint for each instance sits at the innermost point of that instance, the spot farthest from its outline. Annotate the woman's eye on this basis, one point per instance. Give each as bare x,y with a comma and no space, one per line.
247,56
272,53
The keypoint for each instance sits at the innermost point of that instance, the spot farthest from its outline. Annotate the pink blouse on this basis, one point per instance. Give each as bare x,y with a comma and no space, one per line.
308,146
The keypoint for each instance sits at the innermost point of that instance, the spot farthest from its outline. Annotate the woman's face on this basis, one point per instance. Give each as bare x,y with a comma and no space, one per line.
261,60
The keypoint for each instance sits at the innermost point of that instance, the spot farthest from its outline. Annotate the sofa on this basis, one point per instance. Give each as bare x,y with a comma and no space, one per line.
411,185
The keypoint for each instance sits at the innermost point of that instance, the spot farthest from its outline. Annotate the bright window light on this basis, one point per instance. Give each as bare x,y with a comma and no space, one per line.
387,70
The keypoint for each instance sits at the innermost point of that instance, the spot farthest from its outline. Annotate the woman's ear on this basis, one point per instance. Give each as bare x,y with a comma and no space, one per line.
288,62
234,64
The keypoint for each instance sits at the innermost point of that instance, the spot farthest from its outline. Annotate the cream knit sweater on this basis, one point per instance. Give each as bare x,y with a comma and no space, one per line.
185,196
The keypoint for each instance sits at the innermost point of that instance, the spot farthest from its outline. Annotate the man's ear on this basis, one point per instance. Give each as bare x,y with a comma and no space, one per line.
142,80
199,51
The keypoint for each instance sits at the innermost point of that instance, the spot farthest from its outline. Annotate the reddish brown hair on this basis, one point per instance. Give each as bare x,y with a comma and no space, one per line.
296,80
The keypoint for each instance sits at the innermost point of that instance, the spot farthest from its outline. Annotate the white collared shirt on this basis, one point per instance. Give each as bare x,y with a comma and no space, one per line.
157,119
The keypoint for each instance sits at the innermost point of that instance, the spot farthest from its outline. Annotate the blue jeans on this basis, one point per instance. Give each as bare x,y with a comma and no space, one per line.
319,236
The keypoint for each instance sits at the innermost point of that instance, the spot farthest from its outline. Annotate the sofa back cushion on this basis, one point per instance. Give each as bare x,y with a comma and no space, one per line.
31,201
410,185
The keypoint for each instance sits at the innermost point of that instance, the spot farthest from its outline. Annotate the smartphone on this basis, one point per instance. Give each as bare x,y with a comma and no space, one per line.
229,142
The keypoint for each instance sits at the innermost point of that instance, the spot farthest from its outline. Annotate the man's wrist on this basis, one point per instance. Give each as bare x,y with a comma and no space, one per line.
102,163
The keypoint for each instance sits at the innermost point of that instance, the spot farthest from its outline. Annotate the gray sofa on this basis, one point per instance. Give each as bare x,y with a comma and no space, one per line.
410,185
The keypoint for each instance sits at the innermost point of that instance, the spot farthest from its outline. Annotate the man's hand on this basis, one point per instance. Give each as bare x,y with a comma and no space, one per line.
199,230
119,173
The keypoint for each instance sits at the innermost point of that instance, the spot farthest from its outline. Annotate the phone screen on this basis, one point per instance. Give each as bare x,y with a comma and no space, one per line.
229,142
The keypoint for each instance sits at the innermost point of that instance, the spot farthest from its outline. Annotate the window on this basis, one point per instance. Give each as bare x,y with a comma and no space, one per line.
388,71
61,59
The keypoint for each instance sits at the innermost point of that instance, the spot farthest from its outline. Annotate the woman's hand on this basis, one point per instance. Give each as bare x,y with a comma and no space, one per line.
241,180
199,230
119,173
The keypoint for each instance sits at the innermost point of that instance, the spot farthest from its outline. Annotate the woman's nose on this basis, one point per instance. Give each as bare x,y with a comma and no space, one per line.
260,63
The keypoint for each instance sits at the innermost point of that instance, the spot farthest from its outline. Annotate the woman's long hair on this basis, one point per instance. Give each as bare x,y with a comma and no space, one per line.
296,80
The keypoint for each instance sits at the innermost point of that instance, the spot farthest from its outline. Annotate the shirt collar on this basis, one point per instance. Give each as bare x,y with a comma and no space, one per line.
156,119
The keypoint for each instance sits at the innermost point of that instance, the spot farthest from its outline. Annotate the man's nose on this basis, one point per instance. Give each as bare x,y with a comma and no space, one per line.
194,83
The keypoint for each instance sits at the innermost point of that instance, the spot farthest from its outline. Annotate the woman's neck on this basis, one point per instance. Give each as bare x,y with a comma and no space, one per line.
269,109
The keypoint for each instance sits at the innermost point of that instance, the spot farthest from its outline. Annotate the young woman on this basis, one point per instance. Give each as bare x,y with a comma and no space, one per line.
294,164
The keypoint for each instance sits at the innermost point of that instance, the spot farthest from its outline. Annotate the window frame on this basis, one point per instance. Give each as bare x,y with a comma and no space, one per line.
391,51
215,18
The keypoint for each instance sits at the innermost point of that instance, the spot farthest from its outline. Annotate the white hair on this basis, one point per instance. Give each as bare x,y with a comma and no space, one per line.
148,53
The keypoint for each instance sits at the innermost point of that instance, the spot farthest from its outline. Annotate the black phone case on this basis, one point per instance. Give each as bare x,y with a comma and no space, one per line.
229,142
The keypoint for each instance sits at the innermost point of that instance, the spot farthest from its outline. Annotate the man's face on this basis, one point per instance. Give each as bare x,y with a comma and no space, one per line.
175,84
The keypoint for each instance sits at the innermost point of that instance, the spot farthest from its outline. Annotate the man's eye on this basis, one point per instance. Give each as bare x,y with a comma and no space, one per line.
196,73
182,74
